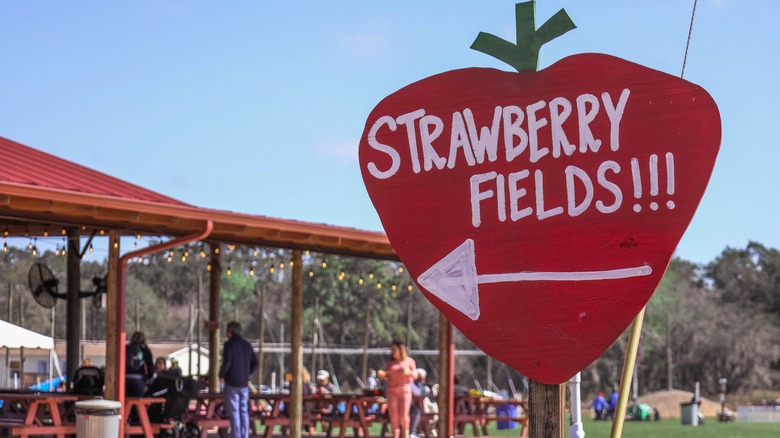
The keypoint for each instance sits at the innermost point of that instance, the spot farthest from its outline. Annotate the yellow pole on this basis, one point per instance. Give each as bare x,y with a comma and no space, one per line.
625,379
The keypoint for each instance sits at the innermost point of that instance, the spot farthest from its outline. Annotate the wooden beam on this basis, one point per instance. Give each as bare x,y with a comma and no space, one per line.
546,408
112,337
73,306
296,359
213,323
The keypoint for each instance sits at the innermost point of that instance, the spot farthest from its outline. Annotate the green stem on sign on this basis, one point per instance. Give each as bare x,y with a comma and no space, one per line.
524,54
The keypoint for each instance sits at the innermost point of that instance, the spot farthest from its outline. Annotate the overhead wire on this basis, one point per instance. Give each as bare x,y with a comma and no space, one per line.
688,43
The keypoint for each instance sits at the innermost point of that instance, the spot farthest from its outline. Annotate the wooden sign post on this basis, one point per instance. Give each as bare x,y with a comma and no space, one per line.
538,210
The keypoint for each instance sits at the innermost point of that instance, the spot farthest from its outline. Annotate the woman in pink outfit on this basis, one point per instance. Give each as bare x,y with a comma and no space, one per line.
399,373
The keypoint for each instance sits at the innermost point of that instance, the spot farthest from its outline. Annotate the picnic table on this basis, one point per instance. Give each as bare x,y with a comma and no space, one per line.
478,411
140,406
32,413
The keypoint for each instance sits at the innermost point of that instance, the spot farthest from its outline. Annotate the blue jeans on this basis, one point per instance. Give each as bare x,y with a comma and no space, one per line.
237,408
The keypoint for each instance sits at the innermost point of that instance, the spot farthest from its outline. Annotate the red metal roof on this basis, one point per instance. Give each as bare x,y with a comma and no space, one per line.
25,165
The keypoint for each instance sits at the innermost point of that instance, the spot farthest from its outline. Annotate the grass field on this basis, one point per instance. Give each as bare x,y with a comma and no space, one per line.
670,428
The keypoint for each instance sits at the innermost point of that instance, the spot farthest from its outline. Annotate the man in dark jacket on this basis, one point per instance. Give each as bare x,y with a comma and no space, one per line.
238,362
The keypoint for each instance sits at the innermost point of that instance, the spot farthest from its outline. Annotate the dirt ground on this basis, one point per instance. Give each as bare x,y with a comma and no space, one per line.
668,403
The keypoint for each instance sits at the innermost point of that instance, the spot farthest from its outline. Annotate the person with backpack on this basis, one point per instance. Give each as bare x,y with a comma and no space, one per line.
139,365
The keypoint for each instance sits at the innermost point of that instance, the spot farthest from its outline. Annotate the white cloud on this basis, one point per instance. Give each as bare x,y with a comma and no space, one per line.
364,44
346,152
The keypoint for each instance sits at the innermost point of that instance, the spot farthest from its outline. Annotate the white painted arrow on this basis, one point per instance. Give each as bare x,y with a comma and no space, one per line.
454,278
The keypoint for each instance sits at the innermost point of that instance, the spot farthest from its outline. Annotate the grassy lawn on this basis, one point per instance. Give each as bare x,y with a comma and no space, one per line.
666,429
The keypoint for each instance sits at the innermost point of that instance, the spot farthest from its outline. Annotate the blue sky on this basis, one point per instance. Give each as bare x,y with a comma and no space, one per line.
258,107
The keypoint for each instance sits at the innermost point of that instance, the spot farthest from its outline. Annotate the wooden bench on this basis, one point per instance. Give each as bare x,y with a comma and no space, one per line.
22,430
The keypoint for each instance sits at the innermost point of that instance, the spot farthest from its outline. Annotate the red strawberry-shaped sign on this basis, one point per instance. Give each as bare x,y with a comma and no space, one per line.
538,210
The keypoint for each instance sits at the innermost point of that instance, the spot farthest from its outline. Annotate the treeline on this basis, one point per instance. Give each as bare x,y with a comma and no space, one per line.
704,323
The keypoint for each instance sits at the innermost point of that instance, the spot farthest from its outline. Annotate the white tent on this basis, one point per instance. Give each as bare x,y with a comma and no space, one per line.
187,354
13,337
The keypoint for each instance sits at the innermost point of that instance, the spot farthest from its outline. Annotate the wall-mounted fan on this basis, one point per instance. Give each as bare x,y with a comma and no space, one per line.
44,287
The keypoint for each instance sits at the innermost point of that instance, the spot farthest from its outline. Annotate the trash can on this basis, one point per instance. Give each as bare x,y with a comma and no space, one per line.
689,413
506,411
97,418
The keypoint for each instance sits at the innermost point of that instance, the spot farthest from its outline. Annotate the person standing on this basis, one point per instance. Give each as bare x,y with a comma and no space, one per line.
139,365
238,362
399,372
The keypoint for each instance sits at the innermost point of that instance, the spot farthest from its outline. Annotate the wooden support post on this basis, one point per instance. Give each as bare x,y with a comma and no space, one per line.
296,353
628,368
73,306
213,323
112,336
546,406
446,376
260,355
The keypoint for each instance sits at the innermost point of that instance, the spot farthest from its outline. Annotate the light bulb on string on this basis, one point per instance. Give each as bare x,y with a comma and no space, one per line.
229,271
45,232
102,232
63,231
379,285
29,245
216,250
291,263
5,248
271,270
360,281
324,264
170,253
400,269
281,265
311,274
202,252
371,276
5,233
251,271
91,248
393,288
409,288
184,258
307,253
208,266
57,251
170,259
254,253
138,236
342,274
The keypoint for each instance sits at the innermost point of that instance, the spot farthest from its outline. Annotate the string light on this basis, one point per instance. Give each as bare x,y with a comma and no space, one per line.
5,248
170,253
202,251
5,233
324,264
307,253
170,259
231,247
281,265
116,245
291,263
393,288
254,253
229,271
409,288
208,266
216,250
400,269
138,236
371,276
63,231
91,248
360,281
311,274
251,271
57,251
102,232
379,285
45,232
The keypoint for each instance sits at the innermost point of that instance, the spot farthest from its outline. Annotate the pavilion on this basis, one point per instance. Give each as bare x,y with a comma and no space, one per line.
79,201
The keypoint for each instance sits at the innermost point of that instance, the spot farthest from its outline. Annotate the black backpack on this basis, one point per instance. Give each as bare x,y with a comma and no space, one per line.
134,359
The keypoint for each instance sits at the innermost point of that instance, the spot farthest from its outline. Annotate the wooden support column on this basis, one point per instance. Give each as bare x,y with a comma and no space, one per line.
546,405
112,336
213,323
296,353
73,306
260,357
445,398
